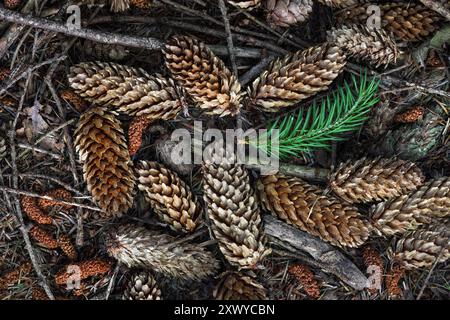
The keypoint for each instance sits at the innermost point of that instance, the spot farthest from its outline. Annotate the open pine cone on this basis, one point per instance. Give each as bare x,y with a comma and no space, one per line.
204,76
407,212
368,180
284,13
303,205
239,286
232,210
296,77
142,286
169,196
107,167
127,90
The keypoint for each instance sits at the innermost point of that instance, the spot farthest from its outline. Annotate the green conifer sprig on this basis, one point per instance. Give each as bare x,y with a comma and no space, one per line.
317,126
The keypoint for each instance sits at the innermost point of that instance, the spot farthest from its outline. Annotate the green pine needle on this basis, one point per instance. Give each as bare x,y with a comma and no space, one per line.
345,111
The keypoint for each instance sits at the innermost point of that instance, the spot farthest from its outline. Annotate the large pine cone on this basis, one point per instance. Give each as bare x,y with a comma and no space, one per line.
407,21
137,247
339,3
296,77
142,286
422,247
407,212
169,196
371,45
285,13
303,205
233,211
380,179
204,76
239,286
128,90
246,4
107,165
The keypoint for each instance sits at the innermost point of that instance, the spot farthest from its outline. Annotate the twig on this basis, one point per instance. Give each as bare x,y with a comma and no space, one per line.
94,35
255,70
111,281
307,173
37,149
223,10
438,7
36,195
427,279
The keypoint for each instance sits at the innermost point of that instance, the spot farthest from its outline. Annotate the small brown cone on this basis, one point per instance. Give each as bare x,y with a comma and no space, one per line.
285,13
107,166
369,45
59,193
410,116
374,265
4,73
407,21
306,278
32,210
135,133
393,278
43,237
141,4
203,75
407,212
86,268
137,247
74,100
239,286
12,4
39,294
303,205
169,196
368,180
245,4
66,246
14,276
296,77
142,286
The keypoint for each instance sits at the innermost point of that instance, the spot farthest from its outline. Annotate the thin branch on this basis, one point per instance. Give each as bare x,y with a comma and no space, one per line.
223,10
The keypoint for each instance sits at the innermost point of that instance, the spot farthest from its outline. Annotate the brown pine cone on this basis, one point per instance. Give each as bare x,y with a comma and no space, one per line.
14,276
239,286
8,101
306,278
107,166
338,3
410,116
59,193
135,132
4,73
245,4
12,4
142,286
374,265
65,244
421,248
296,77
204,76
128,90
371,45
303,205
87,269
137,247
232,210
43,237
368,180
285,13
169,196
141,4
32,210
74,100
119,5
39,294
407,212
392,281
407,21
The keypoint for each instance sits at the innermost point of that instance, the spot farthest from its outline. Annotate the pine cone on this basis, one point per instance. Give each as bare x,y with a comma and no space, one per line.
141,4
338,3
43,237
233,211
245,4
74,100
138,247
119,5
303,205
371,45
128,90
407,212
4,73
296,77
87,269
39,294
421,248
65,244
306,278
31,209
142,286
2,148
204,76
239,286
59,193
8,101
12,4
169,196
368,180
392,279
284,13
135,132
407,21
410,116
14,275
106,162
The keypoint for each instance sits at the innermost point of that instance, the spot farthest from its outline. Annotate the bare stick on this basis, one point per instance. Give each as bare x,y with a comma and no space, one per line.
37,149
255,70
98,36
223,10
438,7
111,281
